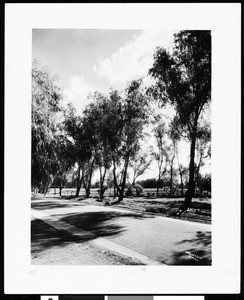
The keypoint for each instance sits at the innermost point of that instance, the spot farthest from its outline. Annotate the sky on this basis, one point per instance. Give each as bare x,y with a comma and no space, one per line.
89,60
96,60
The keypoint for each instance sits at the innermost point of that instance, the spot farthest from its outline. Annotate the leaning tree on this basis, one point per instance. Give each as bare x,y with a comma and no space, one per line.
183,78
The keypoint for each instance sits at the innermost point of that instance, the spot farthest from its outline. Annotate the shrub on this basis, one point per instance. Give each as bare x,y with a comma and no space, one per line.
129,191
134,190
139,190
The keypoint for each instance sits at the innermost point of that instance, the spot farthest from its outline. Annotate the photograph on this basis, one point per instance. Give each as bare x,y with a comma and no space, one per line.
121,147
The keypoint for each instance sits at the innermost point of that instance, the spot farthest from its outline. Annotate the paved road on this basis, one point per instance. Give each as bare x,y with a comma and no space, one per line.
164,240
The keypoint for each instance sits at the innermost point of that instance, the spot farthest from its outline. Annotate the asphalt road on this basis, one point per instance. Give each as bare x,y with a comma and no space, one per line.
164,240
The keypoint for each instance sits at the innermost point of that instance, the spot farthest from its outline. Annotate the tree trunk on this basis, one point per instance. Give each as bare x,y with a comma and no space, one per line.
190,191
181,184
101,182
88,193
171,175
197,172
180,172
134,176
78,188
121,192
158,182
171,180
102,179
43,190
60,191
88,185
115,190
89,182
78,183
116,187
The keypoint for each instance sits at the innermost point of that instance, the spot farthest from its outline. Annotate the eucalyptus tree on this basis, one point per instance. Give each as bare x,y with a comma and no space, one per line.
171,160
127,117
65,162
183,78
89,135
46,96
160,153
81,133
203,150
73,127
114,118
140,162
86,143
97,118
183,173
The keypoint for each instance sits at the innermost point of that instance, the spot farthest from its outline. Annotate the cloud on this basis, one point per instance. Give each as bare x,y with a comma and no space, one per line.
134,59
77,92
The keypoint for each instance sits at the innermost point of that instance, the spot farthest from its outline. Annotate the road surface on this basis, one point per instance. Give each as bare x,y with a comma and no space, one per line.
148,238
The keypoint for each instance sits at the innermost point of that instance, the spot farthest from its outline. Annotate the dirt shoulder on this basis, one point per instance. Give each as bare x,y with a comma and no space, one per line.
50,246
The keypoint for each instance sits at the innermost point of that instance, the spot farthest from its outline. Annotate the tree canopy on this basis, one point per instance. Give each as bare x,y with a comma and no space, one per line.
46,96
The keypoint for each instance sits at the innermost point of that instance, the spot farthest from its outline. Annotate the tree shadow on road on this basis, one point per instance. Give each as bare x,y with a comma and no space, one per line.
198,253
100,224
51,204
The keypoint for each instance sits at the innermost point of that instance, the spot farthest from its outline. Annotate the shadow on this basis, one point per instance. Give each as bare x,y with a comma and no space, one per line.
194,204
51,204
201,239
197,250
203,213
70,197
44,236
99,224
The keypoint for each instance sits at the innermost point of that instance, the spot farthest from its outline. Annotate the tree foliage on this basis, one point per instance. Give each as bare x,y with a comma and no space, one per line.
160,153
132,116
140,162
183,78
46,96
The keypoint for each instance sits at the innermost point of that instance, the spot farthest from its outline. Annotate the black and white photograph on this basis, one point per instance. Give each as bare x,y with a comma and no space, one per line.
122,149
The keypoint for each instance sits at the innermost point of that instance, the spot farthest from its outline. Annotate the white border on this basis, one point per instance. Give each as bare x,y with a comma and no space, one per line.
224,275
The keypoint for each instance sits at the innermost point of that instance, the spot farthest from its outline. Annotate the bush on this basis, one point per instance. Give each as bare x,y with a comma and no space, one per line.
129,191
136,190
139,190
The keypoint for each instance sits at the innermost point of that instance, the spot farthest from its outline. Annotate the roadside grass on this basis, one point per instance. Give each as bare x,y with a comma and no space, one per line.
200,210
